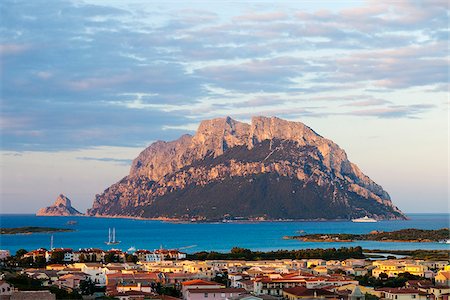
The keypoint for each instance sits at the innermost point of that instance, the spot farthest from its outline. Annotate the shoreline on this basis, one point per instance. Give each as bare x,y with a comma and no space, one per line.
184,221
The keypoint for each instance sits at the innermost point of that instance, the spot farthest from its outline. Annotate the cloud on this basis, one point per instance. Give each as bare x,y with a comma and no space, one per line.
11,49
394,111
80,74
107,159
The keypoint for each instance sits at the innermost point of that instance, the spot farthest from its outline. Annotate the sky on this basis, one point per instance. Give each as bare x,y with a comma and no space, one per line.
87,85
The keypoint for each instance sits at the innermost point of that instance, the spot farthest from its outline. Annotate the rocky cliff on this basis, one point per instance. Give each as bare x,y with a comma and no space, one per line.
61,207
271,169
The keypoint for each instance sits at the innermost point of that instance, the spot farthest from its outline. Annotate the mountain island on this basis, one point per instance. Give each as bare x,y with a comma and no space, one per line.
270,169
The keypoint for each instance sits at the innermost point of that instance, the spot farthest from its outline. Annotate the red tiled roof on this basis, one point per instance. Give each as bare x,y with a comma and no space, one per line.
400,290
219,290
199,282
303,291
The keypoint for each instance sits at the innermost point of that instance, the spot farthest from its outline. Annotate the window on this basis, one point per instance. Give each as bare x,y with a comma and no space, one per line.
413,296
206,295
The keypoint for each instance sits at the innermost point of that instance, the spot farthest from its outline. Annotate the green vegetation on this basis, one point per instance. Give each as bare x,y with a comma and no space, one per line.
403,235
247,254
32,229
417,254
385,281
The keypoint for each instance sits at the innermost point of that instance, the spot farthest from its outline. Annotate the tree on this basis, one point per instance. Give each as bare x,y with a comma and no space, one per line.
110,257
82,258
383,276
57,257
131,258
87,287
21,252
26,262
40,262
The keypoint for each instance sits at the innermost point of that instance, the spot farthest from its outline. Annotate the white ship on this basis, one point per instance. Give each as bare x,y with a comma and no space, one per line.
112,237
366,219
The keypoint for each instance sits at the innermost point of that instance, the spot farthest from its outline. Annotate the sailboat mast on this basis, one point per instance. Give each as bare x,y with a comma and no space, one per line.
109,235
114,235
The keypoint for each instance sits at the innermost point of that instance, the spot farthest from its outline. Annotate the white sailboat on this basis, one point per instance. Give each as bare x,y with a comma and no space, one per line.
112,237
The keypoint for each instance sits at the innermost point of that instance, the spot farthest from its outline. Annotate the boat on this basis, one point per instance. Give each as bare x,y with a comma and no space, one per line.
112,237
131,249
366,219
71,222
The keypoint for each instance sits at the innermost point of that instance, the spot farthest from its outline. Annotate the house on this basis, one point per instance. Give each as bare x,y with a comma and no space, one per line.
274,287
32,295
363,289
131,295
440,292
89,255
67,256
5,289
198,284
140,287
301,292
311,263
4,254
253,297
95,272
41,252
353,262
70,281
213,293
442,278
47,277
402,294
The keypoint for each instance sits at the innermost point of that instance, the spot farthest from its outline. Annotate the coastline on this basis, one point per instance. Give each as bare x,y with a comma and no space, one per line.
234,221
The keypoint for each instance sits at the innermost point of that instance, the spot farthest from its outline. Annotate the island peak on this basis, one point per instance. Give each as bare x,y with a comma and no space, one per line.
61,207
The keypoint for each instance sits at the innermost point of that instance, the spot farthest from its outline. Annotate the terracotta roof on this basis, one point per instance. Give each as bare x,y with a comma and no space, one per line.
446,274
199,282
400,291
303,291
219,290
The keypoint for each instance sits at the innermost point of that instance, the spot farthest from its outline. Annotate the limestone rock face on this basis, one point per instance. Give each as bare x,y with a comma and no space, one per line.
271,168
61,207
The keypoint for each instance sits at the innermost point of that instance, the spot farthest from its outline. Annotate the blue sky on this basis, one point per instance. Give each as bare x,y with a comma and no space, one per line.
86,85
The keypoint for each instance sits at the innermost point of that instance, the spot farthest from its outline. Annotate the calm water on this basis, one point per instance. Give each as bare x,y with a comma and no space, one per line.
93,232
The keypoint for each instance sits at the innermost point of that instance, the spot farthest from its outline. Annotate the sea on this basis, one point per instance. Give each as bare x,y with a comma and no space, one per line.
92,232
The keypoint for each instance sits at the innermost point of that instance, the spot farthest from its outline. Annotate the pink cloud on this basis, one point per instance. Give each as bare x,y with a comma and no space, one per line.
97,82
262,17
13,49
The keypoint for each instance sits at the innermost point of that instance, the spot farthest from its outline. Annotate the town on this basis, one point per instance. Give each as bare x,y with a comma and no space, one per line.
63,273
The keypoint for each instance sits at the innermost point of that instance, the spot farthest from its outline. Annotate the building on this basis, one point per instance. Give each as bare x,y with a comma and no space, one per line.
70,281
301,292
4,254
41,252
32,295
198,284
5,290
213,293
443,278
139,287
94,271
402,294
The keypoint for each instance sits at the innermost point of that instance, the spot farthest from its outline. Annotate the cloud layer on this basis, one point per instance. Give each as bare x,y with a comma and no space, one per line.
78,74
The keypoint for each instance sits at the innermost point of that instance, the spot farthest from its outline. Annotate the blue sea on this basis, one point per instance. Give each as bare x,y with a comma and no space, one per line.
193,237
